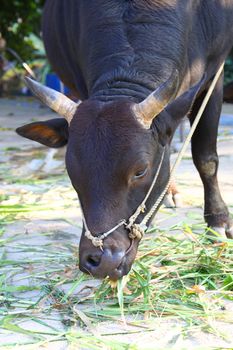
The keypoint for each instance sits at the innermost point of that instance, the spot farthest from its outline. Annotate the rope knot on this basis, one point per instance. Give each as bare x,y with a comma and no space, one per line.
143,208
136,232
96,241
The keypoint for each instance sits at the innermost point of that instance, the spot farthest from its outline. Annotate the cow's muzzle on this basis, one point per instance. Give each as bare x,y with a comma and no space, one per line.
111,261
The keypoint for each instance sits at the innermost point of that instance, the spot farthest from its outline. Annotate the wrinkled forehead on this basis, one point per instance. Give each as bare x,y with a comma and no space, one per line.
107,129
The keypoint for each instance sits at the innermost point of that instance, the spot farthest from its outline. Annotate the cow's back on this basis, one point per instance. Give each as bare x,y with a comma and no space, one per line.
93,42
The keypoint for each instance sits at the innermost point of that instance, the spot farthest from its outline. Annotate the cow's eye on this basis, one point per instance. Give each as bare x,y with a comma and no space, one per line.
140,173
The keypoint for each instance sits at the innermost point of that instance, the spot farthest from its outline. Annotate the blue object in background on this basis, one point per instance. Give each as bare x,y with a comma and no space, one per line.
55,83
226,120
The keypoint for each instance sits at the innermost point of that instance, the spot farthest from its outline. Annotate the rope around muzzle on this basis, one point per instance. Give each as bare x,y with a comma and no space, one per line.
137,230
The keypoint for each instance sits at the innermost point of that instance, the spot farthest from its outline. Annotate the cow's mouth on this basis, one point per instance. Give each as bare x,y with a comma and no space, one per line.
125,264
121,270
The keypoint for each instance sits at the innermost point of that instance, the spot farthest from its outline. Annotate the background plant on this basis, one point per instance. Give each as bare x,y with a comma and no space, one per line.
18,19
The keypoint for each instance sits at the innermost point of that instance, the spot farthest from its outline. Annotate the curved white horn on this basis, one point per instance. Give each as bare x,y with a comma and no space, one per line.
53,99
149,108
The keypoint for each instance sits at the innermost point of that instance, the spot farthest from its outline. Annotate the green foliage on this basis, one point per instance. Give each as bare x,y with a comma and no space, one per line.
18,19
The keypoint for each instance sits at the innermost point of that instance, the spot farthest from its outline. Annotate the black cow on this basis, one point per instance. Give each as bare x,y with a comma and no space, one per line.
139,66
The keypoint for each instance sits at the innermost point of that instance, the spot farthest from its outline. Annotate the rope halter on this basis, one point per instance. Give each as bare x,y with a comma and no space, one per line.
136,231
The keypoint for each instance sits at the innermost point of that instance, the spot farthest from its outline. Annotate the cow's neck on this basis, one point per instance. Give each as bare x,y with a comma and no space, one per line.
131,83
119,63
120,84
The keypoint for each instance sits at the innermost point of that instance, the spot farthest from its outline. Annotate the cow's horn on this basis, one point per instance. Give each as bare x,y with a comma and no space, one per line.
54,99
149,108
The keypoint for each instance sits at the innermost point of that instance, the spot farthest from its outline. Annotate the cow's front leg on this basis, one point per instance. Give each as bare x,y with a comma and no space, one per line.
205,158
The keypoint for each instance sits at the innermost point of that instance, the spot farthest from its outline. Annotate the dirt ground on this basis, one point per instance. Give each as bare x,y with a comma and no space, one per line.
22,159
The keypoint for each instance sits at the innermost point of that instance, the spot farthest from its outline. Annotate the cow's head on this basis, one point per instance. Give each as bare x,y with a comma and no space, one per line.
113,152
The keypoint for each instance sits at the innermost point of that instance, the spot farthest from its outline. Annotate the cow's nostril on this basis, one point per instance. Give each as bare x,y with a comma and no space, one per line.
120,267
93,260
101,264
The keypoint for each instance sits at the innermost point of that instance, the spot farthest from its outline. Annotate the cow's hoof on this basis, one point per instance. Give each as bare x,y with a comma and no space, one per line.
177,198
229,232
221,231
224,231
172,201
168,201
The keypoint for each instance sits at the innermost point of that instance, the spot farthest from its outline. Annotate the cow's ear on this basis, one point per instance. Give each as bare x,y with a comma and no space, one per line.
168,120
52,133
182,105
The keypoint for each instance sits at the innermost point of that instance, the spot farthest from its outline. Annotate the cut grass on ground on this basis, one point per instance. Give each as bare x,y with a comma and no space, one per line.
187,280
180,277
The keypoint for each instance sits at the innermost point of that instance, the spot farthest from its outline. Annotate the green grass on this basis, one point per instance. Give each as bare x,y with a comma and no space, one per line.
186,280
180,277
